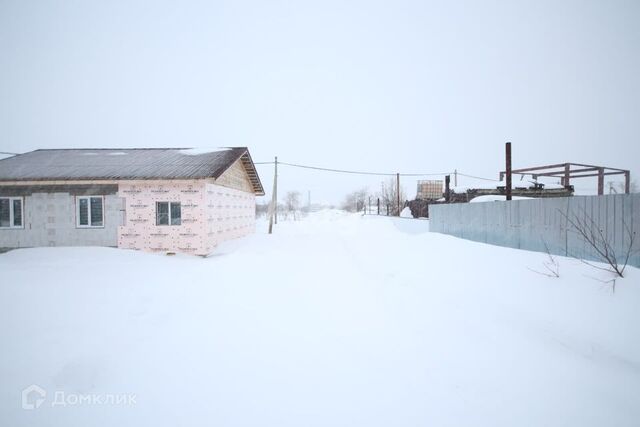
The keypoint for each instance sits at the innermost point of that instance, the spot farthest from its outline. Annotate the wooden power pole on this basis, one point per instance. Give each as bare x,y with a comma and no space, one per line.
275,190
274,200
398,191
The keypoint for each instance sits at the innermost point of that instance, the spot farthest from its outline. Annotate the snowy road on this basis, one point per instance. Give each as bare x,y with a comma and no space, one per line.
334,320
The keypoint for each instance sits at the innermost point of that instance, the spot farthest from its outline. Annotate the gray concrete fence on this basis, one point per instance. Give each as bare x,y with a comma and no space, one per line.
536,224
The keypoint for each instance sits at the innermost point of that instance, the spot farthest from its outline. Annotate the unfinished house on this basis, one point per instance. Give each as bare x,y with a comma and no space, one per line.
159,200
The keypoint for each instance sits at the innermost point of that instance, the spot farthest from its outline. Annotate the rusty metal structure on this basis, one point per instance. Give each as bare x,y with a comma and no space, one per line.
568,171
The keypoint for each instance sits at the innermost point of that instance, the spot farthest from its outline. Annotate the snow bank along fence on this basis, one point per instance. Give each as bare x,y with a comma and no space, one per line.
540,223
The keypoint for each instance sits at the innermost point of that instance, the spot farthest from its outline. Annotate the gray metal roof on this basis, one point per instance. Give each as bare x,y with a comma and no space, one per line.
121,164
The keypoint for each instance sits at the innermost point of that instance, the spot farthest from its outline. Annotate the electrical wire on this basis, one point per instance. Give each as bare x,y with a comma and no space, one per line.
295,165
354,172
478,177
358,172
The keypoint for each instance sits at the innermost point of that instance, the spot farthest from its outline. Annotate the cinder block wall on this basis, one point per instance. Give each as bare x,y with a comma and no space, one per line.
532,224
50,220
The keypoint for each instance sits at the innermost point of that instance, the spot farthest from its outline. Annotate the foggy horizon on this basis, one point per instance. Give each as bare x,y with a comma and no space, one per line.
413,87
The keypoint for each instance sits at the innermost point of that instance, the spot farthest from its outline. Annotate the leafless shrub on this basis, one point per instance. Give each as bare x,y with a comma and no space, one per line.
551,265
593,235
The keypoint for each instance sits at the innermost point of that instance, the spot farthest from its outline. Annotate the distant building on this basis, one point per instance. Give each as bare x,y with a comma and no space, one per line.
160,200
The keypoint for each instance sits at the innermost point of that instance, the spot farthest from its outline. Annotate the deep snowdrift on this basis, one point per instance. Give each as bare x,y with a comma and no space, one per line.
334,320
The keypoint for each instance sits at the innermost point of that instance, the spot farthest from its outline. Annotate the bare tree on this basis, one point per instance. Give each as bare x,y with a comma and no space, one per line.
593,235
389,196
292,203
619,187
355,201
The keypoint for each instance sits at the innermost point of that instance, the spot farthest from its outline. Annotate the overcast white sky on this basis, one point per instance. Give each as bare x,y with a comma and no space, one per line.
409,86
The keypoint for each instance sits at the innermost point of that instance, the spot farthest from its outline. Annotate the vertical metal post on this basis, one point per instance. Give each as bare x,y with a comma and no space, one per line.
508,169
600,181
627,182
378,205
275,190
567,175
447,188
398,191
455,178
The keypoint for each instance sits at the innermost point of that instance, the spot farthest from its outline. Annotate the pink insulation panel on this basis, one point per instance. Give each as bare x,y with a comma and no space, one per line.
210,214
230,213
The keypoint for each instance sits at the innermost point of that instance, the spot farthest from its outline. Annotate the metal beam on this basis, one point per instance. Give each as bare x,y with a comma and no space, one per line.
537,168
586,175
568,173
508,168
447,188
600,181
594,166
627,182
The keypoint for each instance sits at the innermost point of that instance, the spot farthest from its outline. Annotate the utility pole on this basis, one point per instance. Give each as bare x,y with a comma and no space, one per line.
275,189
274,199
398,191
508,169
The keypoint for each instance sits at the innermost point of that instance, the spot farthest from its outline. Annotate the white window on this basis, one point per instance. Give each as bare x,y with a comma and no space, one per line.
89,211
11,212
168,213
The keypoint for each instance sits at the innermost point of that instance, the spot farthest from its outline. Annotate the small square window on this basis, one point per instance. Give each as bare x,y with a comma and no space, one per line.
11,212
168,213
90,211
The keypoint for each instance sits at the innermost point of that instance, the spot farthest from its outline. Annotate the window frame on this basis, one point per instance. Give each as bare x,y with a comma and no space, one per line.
90,222
12,214
169,215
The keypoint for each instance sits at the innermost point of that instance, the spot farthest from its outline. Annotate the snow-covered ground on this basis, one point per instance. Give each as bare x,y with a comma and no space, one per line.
335,320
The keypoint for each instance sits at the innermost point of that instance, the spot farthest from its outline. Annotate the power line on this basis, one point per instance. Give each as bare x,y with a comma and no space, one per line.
354,172
349,171
478,177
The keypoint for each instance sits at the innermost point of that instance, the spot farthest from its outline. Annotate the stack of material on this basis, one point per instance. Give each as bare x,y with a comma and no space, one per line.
430,190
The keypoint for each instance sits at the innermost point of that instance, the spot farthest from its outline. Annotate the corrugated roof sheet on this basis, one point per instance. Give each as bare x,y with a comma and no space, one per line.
120,164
